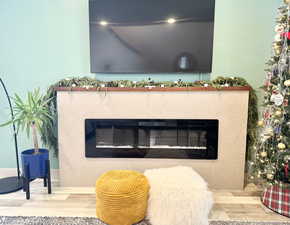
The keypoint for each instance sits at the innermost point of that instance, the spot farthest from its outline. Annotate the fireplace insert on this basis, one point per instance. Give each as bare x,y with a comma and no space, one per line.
151,138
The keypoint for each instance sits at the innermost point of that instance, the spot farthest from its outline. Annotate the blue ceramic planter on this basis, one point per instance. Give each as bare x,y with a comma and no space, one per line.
36,162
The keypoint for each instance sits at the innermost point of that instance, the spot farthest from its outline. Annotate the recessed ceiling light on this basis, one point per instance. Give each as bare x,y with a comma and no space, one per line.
171,20
103,23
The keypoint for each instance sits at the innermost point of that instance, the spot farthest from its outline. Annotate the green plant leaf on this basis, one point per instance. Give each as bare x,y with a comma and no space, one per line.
7,123
33,109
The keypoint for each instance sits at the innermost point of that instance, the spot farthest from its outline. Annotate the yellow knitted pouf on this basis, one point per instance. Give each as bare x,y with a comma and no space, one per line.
121,197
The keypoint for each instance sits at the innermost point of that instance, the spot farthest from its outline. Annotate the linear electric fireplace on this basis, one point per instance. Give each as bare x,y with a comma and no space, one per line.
151,138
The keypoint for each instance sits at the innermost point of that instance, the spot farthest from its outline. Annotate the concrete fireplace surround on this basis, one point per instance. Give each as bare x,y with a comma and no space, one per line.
229,106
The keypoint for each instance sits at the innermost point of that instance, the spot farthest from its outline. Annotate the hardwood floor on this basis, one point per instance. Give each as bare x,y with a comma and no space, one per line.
71,201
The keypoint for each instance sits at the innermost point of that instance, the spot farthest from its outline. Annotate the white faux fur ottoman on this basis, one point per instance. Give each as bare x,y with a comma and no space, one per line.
177,196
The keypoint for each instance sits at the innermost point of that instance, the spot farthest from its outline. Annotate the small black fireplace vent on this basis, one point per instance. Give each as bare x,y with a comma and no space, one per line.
151,138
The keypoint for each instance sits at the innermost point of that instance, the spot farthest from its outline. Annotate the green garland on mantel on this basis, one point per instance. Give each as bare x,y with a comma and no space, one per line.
87,82
49,131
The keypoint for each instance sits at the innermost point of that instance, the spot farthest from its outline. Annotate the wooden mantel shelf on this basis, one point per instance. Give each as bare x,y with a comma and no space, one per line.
151,89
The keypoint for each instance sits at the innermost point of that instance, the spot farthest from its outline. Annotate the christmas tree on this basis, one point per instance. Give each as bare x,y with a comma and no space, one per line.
272,155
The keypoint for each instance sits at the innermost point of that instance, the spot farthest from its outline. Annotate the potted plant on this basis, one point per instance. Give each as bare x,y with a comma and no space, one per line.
30,115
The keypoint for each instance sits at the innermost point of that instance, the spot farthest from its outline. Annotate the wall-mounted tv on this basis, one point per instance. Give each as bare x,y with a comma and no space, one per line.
149,36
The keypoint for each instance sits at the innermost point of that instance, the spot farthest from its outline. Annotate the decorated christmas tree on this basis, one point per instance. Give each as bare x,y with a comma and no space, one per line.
272,156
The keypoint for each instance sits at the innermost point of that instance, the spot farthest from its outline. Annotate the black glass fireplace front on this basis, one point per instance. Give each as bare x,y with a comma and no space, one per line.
151,138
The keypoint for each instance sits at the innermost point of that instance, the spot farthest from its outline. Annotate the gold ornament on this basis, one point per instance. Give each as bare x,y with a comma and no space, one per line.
277,50
268,133
278,113
276,121
260,123
263,154
281,146
270,176
287,83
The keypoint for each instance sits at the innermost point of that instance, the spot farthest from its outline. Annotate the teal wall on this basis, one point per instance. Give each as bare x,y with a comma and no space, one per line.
42,41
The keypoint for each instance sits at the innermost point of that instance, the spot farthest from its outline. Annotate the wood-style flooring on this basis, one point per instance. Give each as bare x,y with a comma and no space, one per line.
71,201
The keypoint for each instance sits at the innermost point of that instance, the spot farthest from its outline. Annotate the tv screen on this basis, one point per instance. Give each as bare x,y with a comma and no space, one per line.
149,36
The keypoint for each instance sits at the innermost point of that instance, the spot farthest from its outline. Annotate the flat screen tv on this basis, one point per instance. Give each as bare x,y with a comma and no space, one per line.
151,36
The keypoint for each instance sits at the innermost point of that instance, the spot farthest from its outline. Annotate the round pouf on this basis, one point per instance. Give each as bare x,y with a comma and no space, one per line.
121,197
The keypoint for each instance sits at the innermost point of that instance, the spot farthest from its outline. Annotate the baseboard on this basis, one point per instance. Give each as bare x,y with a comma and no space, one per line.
9,172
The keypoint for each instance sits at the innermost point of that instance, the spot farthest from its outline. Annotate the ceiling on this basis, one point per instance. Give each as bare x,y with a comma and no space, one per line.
146,11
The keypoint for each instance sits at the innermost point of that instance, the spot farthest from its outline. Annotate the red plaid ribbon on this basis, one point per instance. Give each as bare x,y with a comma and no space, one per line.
277,198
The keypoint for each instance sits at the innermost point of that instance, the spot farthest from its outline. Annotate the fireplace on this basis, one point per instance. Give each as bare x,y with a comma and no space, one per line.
151,138
159,108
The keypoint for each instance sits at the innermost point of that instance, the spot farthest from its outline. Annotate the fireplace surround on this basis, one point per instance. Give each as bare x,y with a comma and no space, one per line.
228,105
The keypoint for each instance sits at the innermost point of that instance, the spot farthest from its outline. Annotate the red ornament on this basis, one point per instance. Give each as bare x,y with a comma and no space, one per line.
285,103
267,115
286,34
267,83
286,169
